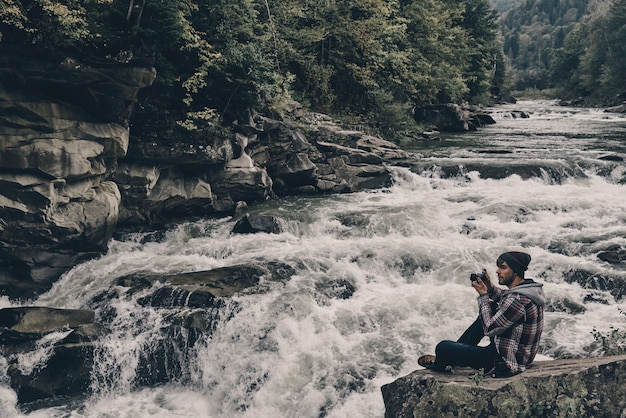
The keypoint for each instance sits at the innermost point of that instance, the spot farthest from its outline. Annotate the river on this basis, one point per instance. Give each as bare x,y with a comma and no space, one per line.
381,276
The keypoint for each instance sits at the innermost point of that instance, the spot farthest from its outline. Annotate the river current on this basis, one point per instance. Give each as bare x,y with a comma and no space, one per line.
381,276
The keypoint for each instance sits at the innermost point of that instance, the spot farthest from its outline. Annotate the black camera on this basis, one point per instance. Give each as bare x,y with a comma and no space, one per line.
475,276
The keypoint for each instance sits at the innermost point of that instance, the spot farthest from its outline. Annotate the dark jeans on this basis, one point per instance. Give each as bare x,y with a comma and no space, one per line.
465,352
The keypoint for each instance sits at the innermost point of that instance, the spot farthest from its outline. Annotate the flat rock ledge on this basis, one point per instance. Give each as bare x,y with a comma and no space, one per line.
591,387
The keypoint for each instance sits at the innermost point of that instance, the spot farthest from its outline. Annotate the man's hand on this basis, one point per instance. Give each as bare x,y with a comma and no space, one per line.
483,288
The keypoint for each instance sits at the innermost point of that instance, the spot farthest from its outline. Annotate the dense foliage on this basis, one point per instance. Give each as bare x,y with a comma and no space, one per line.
216,59
575,47
592,62
532,32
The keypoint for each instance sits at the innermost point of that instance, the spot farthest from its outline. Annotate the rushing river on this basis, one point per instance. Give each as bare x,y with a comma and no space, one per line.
553,184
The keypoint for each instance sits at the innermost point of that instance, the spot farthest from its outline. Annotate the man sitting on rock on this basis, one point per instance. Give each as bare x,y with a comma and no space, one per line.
512,319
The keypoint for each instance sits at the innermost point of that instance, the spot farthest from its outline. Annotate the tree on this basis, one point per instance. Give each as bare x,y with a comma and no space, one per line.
44,22
591,63
479,21
217,59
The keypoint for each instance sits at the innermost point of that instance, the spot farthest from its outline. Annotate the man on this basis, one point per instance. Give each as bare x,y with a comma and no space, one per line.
512,319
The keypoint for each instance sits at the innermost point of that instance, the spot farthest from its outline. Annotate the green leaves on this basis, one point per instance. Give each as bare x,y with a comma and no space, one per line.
611,342
216,59
44,22
592,61
347,54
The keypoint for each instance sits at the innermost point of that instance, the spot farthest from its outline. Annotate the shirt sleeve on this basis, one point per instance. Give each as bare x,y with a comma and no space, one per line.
510,313
496,293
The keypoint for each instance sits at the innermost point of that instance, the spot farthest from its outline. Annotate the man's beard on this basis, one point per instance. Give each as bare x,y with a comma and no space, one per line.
506,281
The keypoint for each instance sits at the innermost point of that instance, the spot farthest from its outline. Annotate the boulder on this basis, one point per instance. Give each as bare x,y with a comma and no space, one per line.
343,169
451,117
482,119
616,109
386,150
39,320
234,185
199,289
66,373
283,152
612,283
66,334
615,254
561,388
152,193
252,223
446,117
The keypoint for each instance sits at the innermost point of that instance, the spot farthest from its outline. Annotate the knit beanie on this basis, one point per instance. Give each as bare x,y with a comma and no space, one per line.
518,261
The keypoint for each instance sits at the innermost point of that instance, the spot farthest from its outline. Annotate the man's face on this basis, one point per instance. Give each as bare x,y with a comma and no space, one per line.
505,274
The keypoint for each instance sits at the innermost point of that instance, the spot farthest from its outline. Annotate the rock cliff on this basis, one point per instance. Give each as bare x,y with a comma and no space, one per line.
62,126
560,388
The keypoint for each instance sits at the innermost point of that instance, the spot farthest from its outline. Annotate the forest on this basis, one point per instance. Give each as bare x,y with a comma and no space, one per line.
369,62
574,48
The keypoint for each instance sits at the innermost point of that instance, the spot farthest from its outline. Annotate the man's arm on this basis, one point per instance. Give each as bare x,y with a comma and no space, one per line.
512,311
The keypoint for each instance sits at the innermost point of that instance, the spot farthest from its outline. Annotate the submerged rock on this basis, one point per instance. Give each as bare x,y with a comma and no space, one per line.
614,284
52,352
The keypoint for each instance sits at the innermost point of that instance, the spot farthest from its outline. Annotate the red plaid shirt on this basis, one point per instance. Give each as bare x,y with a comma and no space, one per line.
517,323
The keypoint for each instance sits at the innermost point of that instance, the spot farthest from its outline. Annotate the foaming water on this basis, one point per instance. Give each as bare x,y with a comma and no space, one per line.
380,278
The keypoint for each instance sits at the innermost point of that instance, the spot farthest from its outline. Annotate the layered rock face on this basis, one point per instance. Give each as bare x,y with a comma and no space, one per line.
62,124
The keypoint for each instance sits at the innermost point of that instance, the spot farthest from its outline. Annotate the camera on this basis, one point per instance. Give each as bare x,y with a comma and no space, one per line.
475,276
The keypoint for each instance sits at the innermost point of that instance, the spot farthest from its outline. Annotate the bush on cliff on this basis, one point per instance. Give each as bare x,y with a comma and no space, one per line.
613,341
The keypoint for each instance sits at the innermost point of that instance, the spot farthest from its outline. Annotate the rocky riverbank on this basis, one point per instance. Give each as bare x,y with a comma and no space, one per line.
72,173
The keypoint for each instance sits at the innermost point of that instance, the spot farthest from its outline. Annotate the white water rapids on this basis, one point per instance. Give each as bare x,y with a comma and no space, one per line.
298,349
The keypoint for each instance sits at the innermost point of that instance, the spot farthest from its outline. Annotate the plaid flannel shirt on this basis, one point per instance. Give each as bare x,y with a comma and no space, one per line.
515,326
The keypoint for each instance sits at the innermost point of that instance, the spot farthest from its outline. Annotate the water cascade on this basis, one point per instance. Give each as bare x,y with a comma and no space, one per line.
378,278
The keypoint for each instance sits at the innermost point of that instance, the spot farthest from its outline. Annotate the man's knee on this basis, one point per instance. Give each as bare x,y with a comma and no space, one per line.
444,347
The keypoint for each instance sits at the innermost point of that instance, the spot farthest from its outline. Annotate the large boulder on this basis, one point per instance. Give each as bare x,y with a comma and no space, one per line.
233,185
68,335
283,151
450,117
561,388
253,223
446,117
347,169
152,192
348,160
